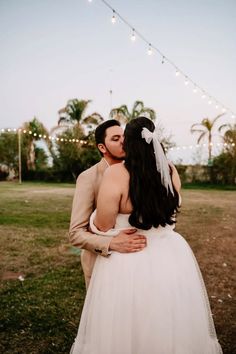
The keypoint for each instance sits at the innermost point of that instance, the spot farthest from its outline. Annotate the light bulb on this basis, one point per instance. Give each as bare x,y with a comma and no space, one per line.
150,50
195,90
177,73
186,82
133,37
113,19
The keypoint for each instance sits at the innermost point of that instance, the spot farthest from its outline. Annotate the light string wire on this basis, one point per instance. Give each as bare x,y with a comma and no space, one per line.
165,59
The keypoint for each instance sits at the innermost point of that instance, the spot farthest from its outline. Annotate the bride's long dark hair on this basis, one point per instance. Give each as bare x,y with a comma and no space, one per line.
152,206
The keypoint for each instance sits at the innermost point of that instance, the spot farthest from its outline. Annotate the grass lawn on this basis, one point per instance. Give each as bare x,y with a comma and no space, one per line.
41,314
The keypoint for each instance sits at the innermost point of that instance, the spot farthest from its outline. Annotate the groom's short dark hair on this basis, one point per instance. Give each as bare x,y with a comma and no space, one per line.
100,132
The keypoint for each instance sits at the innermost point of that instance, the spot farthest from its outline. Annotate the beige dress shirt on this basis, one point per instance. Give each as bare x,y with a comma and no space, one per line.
84,203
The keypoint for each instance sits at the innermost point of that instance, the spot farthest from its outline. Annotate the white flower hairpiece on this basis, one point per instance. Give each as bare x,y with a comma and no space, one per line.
161,160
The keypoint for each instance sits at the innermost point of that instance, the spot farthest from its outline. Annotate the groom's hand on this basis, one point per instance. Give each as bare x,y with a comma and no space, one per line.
128,241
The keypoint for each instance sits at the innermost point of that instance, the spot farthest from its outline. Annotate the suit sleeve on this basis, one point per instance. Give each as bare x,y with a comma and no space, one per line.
82,208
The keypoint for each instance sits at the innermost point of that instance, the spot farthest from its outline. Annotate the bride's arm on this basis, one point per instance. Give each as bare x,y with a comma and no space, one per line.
108,200
175,177
175,180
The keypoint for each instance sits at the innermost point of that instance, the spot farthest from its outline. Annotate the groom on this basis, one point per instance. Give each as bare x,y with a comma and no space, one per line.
109,141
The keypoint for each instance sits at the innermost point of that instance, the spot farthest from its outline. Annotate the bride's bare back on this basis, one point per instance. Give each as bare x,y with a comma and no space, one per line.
113,197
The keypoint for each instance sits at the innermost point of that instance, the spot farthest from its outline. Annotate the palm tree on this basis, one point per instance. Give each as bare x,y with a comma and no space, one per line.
229,136
205,130
36,131
74,114
123,115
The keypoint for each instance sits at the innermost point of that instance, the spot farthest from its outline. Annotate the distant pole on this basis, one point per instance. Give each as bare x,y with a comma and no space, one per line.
19,155
110,100
110,91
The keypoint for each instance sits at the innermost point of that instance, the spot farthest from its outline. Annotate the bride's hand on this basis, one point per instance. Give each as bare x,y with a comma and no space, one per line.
128,241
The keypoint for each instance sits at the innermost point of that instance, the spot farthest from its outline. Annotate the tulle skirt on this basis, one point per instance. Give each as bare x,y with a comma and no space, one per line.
149,302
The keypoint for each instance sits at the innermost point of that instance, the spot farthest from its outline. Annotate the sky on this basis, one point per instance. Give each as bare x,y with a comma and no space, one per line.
56,50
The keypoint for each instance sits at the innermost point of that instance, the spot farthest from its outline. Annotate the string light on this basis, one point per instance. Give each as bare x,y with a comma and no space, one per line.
82,142
186,82
113,19
154,48
133,37
177,73
149,49
52,138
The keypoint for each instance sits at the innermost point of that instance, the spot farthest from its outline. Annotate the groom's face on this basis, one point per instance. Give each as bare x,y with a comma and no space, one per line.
113,144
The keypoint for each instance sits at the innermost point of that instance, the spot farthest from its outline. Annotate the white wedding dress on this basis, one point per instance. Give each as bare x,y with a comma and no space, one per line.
148,302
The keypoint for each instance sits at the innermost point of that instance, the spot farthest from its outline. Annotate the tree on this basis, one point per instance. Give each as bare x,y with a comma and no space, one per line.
205,130
123,115
9,151
75,150
74,114
224,165
229,137
75,153
224,168
36,131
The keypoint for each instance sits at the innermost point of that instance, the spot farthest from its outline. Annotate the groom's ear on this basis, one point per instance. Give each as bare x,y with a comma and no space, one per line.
102,148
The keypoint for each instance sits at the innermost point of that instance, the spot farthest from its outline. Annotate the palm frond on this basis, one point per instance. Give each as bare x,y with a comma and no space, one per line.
94,119
120,113
202,135
195,130
149,113
217,117
137,108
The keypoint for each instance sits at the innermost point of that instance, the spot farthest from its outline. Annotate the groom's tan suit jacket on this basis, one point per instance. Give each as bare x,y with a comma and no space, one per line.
84,203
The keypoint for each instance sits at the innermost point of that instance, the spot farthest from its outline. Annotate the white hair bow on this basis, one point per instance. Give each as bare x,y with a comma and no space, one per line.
161,160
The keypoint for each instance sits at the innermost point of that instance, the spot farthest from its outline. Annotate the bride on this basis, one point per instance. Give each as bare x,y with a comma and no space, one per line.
153,301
